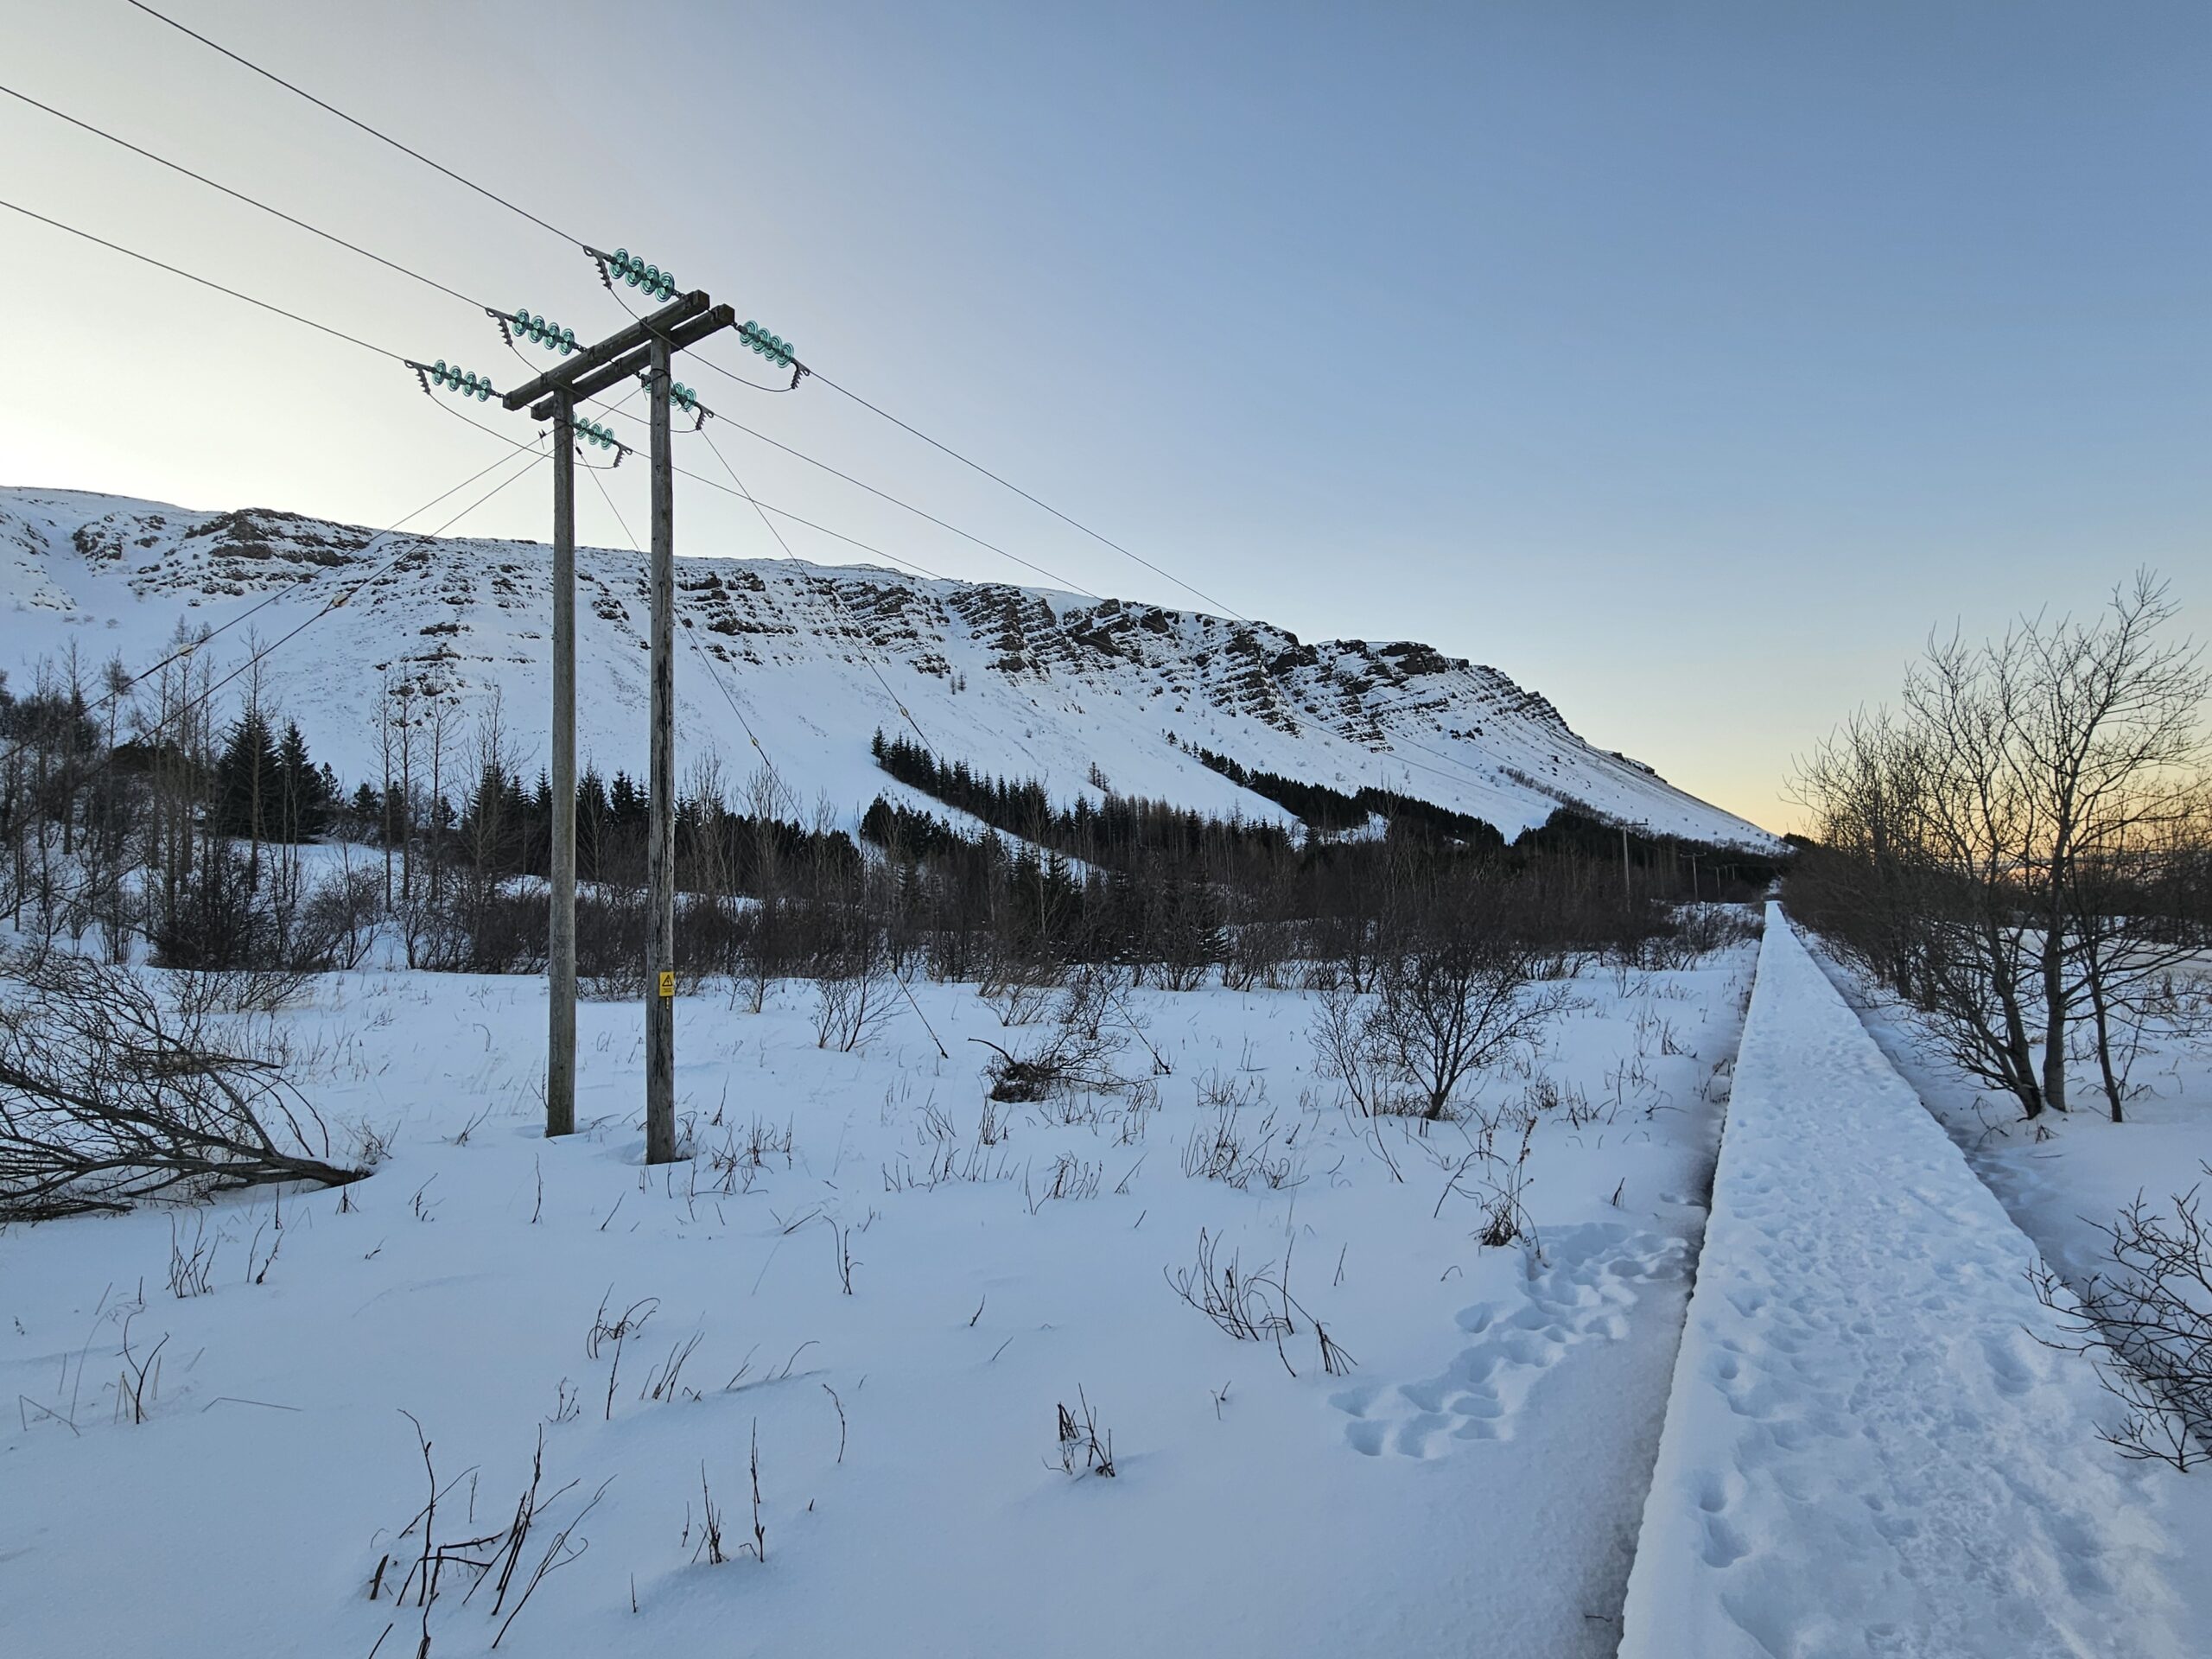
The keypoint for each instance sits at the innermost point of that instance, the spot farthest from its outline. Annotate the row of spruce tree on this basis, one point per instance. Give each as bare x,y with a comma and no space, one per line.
135,819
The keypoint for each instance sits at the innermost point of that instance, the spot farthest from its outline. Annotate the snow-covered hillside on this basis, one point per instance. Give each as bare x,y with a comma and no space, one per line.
1014,680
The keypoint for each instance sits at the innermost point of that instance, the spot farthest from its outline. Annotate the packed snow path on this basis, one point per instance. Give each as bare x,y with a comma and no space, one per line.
1866,1451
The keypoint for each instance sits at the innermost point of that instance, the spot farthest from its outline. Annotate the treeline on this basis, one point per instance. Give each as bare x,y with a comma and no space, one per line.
1238,900
1121,829
135,821
1331,811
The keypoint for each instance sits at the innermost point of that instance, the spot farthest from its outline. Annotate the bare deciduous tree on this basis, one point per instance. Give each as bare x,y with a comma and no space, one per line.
107,1098
2020,838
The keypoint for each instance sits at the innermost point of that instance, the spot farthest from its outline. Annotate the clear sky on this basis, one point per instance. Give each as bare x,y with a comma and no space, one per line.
1685,360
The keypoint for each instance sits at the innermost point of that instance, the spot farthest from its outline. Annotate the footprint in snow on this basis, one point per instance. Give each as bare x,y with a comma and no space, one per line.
1582,1295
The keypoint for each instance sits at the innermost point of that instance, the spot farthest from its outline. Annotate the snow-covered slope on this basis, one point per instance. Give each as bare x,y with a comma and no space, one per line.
1014,680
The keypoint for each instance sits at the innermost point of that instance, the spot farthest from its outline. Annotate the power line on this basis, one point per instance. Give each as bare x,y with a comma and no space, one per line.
760,506
237,195
874,409
474,303
910,507
837,598
469,300
690,639
398,356
354,121
565,236
175,271
994,477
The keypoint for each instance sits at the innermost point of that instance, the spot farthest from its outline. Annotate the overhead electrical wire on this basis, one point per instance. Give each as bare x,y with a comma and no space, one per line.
713,673
577,241
397,357
267,75
758,505
474,303
837,598
204,281
237,195
331,237
909,506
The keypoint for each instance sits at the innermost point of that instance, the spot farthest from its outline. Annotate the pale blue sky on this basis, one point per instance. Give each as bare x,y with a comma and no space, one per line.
1686,361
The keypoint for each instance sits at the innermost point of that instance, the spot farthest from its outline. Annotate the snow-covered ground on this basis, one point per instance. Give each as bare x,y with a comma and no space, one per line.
1867,1450
1474,1484
2064,1177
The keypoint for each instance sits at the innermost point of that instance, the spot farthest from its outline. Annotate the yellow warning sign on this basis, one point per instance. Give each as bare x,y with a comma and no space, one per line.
667,983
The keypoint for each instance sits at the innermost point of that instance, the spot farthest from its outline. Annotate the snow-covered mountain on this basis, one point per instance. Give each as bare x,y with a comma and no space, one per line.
1019,681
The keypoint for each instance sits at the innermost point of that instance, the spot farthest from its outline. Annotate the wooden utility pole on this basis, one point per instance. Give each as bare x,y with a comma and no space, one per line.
660,833
561,930
646,346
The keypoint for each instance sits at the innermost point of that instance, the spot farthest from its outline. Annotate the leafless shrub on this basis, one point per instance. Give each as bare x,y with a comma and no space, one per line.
1506,1218
1229,1150
139,1385
1080,1441
1018,986
844,1258
1347,1047
664,1382
1071,1178
1072,1058
107,1098
2150,1324
1256,1306
1251,1307
191,1270
1461,1002
494,1557
856,988
617,1332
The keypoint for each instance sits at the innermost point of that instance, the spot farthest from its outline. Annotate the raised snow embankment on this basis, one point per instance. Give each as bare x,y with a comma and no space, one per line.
1866,1451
